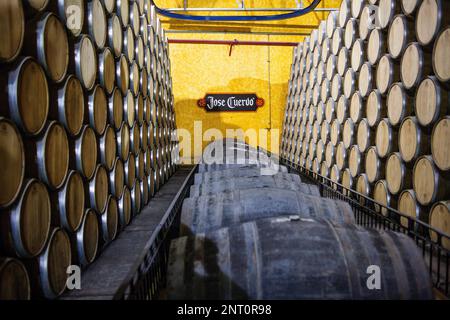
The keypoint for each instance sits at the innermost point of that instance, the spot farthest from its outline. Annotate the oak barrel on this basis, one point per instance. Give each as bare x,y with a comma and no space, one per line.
248,266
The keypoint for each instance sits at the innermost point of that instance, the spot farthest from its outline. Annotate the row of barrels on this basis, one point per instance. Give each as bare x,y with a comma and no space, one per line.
251,230
86,134
369,107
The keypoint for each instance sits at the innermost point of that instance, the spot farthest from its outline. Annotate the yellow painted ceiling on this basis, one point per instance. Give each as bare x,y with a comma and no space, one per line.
295,28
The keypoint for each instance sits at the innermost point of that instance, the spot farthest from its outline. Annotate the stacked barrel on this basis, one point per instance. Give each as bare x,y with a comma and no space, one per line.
251,230
368,105
86,125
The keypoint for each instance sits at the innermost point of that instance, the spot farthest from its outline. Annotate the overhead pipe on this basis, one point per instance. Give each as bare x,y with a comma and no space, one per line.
234,42
291,14
244,9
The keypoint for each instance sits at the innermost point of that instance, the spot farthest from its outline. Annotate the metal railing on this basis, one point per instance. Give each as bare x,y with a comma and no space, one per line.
148,276
372,214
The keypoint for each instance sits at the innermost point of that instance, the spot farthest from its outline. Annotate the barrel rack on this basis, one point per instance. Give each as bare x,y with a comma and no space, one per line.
146,280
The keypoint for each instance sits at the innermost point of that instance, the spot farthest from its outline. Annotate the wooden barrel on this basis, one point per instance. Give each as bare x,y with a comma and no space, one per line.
70,202
356,8
317,55
134,139
415,65
128,44
350,36
280,180
49,270
123,11
376,46
216,176
206,213
375,168
123,74
143,84
68,108
115,109
107,148
338,265
386,12
86,62
344,13
26,85
381,195
343,61
364,136
115,36
431,101
386,139
134,78
324,170
48,156
65,9
331,67
398,175
325,132
440,144
346,181
341,156
14,280
130,170
110,6
399,104
143,137
330,110
124,203
336,87
136,198
109,220
363,186
349,83
348,133
46,39
330,151
387,73
428,183
365,22
12,22
335,176
401,32
12,162
25,226
440,52
139,108
355,161
84,152
440,220
129,108
342,109
140,170
335,132
356,107
410,6
413,141
430,19
98,189
134,18
107,70
358,55
365,79
145,191
408,205
332,21
116,178
85,240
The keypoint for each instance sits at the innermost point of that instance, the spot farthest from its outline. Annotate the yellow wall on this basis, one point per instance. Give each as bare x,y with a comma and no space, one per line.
201,69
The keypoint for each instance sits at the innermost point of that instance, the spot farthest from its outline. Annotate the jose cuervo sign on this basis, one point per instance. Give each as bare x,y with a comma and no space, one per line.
230,102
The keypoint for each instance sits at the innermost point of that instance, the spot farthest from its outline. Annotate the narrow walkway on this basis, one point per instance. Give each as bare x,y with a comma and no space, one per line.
105,275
